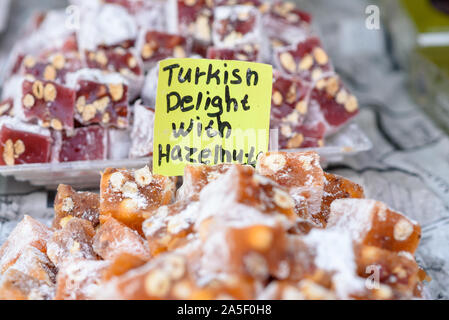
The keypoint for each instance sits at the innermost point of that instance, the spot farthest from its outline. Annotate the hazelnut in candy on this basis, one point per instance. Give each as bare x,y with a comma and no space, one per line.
372,223
16,285
71,204
127,194
28,233
301,174
72,242
6,107
336,103
114,238
336,187
48,103
23,143
85,143
306,60
169,226
142,131
79,279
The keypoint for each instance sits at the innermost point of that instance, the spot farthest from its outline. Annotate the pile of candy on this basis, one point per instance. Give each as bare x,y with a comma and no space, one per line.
285,230
75,84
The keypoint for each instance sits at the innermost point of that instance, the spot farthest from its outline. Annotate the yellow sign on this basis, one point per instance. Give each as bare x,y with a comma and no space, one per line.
210,112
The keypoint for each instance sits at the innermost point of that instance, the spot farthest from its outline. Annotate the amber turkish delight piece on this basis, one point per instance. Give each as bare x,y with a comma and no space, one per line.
196,177
28,233
114,238
127,194
72,242
79,280
69,203
372,223
168,227
300,173
121,264
16,285
336,187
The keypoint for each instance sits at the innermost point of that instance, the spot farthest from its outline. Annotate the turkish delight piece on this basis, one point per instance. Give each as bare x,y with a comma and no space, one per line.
121,145
168,227
194,18
372,223
36,264
127,194
16,285
100,98
114,238
156,45
149,89
397,271
49,103
106,26
79,280
28,233
247,52
72,242
336,187
289,109
305,59
235,25
336,103
6,107
196,177
142,131
85,143
119,60
300,173
257,251
310,134
23,143
69,203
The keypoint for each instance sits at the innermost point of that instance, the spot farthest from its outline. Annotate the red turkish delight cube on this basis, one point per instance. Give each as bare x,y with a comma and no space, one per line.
28,233
372,223
300,173
71,204
157,45
336,103
23,143
305,59
142,131
85,143
246,52
100,98
49,103
236,25
194,18
114,238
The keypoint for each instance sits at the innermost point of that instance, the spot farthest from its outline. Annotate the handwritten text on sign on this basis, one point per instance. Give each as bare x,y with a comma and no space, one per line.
210,112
